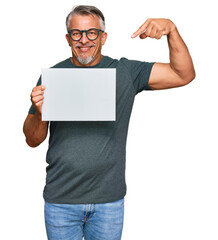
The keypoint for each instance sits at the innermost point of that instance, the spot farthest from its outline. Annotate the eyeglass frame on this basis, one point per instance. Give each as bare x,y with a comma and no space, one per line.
86,31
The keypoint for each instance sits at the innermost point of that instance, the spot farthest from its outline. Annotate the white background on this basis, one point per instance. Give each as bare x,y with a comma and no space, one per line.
172,154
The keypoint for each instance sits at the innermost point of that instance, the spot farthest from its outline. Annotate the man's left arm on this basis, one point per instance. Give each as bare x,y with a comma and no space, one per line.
180,71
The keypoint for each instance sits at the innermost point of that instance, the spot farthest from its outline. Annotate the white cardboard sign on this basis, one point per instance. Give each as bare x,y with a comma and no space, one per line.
79,94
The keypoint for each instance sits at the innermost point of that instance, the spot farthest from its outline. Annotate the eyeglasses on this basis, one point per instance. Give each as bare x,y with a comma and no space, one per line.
91,34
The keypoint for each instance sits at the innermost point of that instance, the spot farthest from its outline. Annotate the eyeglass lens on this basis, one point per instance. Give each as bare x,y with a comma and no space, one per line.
91,34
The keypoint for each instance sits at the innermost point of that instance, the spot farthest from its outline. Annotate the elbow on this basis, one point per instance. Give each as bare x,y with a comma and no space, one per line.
29,140
192,76
189,78
31,143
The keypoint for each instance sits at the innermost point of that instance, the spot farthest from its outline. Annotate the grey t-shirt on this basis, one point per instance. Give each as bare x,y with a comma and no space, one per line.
86,159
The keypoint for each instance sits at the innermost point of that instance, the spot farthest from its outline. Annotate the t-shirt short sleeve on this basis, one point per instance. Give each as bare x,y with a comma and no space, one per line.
140,73
32,109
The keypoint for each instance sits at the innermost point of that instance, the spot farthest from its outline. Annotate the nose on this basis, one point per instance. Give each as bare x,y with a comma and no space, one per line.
84,38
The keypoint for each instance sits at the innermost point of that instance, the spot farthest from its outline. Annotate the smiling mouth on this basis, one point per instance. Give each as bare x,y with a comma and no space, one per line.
84,49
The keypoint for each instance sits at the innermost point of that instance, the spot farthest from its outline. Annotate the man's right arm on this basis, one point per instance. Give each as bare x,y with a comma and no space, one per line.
34,128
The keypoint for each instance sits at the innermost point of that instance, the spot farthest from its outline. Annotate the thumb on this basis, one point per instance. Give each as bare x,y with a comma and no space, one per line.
143,36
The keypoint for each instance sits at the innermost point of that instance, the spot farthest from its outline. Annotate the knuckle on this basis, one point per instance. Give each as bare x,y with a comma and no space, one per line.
39,98
34,100
33,95
159,34
38,103
37,88
152,21
148,33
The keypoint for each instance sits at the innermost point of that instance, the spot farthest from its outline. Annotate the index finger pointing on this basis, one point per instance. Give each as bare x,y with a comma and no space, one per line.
141,29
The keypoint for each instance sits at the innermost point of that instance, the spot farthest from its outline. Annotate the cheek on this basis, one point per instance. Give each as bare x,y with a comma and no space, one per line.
73,48
98,45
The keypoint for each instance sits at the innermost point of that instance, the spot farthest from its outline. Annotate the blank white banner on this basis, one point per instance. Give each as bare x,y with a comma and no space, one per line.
79,94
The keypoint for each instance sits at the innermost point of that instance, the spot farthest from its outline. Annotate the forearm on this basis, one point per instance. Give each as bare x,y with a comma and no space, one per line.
180,59
35,130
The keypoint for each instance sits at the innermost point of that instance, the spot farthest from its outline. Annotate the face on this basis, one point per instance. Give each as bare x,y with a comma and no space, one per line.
84,51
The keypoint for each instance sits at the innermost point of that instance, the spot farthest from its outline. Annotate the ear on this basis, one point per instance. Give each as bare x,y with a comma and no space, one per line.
68,38
103,38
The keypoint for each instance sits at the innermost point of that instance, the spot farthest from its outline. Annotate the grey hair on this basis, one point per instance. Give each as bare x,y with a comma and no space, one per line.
86,10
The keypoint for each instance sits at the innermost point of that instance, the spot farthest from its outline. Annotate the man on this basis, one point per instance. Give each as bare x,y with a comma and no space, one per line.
85,183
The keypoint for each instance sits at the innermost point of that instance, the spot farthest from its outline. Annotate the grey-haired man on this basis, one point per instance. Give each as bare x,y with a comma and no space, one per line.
85,183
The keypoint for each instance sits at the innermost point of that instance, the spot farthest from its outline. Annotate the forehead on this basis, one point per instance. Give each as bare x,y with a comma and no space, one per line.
84,22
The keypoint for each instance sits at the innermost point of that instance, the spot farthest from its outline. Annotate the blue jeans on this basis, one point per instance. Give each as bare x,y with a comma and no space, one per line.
101,221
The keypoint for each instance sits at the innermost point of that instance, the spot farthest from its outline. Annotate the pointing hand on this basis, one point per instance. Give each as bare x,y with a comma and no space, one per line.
155,28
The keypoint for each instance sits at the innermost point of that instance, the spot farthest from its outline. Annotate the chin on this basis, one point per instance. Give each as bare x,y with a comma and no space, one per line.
85,61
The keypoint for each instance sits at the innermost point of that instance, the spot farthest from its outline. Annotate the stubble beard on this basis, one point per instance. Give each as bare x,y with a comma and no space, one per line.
85,61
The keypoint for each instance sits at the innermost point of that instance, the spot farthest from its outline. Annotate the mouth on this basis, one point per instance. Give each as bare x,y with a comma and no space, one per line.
84,49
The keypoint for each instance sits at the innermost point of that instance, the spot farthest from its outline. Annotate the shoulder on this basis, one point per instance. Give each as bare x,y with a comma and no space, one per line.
63,64
135,65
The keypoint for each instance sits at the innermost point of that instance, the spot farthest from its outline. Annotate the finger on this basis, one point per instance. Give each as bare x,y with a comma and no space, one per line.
40,87
153,32
37,99
36,93
146,33
141,29
148,30
159,34
143,36
38,104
